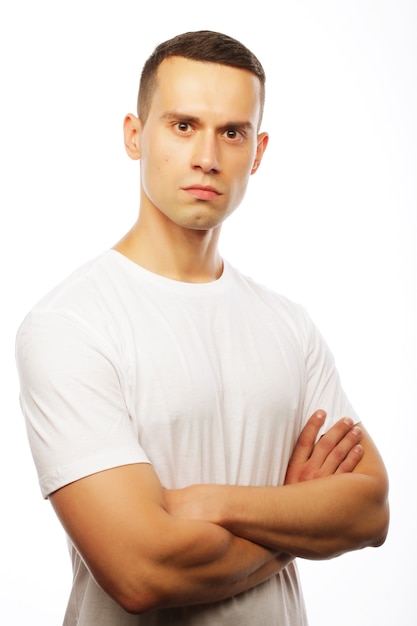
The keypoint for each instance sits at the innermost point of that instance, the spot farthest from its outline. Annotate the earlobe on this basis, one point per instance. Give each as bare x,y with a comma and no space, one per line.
132,127
263,139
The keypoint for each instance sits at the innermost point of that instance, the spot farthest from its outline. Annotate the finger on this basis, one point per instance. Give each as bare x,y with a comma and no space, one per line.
351,461
330,440
341,451
307,438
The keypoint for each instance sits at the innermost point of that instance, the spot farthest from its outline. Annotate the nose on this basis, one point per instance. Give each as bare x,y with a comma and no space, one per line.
206,153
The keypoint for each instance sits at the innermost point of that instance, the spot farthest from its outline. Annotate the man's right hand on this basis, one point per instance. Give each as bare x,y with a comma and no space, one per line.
337,451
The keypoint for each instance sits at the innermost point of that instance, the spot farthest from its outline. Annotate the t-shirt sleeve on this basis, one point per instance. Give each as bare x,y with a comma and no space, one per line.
323,385
73,400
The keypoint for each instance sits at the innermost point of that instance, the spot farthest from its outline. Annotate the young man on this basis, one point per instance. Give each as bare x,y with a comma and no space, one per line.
173,405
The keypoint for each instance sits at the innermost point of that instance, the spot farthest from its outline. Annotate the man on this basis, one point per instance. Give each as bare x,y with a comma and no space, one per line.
173,405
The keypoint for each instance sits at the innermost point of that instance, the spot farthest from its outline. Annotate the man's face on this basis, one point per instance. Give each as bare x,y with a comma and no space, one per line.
199,144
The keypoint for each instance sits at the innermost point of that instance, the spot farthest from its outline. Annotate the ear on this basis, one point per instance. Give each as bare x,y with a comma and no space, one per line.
263,139
132,127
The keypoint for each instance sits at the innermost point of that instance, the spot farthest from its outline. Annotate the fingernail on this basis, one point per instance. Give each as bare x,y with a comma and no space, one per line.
348,421
356,430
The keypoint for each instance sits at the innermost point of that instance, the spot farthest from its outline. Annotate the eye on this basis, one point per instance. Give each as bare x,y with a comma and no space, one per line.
233,134
183,127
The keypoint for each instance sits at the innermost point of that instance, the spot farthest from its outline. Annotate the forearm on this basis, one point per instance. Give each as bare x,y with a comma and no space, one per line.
314,519
142,556
207,563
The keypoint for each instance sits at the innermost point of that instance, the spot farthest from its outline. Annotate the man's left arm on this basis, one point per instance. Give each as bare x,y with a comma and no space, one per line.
324,509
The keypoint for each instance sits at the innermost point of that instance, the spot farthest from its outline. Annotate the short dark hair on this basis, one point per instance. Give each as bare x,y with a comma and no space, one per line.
203,45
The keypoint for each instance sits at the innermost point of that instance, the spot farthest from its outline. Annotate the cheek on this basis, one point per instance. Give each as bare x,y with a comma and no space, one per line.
154,166
158,178
240,179
242,162
156,155
240,174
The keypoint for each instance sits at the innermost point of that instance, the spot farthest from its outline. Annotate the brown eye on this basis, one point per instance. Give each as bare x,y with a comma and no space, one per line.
183,127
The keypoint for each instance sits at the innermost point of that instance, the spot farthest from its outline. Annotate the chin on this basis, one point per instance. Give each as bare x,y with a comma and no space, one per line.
203,221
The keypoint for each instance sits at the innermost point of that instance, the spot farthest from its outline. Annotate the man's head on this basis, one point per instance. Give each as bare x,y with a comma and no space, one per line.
206,46
197,134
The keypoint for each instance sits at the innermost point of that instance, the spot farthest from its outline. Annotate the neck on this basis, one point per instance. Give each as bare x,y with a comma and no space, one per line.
186,255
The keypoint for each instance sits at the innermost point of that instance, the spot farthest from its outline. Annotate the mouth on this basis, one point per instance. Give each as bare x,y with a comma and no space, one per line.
202,192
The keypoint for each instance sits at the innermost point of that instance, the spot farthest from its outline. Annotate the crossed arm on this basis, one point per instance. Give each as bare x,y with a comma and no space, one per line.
340,510
150,548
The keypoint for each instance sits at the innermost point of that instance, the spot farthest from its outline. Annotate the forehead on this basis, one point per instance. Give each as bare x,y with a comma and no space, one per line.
196,87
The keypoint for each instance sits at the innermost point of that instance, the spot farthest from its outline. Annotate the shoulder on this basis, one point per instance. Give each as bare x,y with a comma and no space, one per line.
89,279
81,297
79,311
293,312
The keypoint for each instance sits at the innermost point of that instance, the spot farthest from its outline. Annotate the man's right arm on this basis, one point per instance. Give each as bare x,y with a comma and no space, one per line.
143,557
139,554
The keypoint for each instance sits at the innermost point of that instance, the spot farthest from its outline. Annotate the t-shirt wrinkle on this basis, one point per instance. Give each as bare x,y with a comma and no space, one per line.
209,382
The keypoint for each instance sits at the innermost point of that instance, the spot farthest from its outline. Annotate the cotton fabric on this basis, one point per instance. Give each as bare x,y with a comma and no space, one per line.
208,382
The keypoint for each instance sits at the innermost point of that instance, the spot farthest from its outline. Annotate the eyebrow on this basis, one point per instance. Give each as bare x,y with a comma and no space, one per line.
192,119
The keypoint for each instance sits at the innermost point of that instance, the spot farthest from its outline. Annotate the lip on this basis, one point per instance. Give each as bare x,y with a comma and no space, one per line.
202,192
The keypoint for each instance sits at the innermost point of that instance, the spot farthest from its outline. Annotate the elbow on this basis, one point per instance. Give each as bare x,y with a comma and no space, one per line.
174,576
136,590
366,528
370,533
381,527
372,527
138,604
139,599
380,516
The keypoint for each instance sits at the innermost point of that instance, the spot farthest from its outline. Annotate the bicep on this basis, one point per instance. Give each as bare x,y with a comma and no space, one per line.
115,519
74,396
138,553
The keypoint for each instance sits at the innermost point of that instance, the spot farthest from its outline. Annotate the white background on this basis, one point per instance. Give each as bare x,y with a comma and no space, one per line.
329,220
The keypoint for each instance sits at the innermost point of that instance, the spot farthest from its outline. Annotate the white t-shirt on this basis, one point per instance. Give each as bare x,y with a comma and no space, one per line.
211,383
